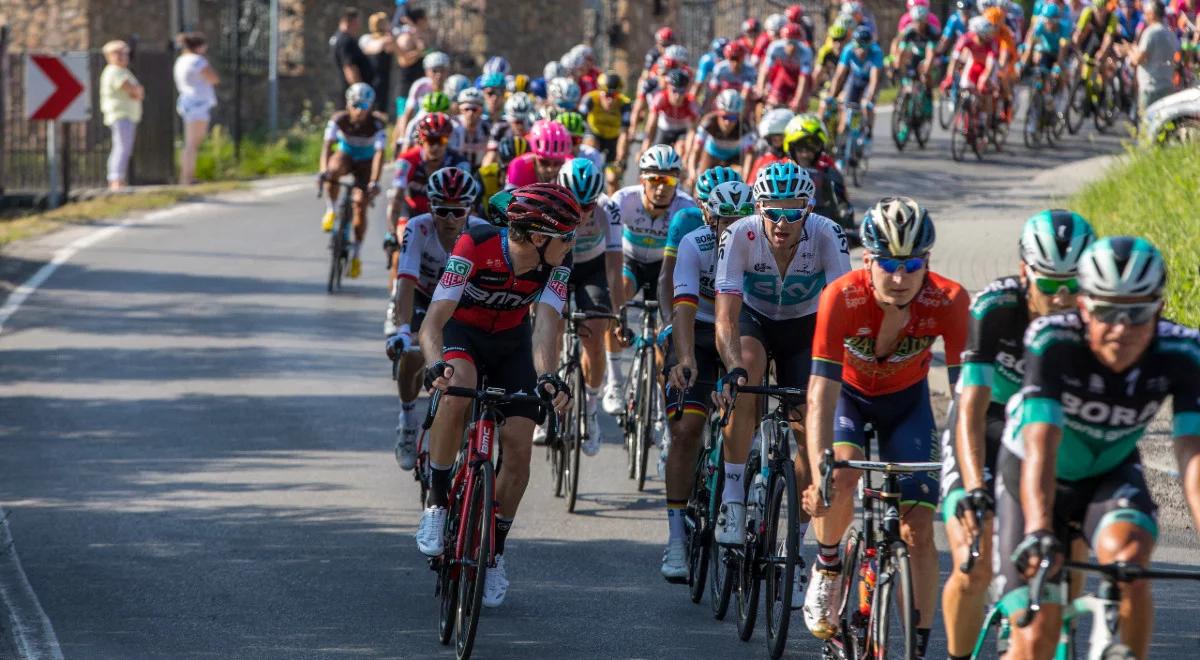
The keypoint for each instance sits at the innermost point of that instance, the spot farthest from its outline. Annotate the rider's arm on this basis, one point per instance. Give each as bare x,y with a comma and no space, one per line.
327,145
1185,399
380,150
825,384
685,296
1041,417
408,269
823,396
614,262
1187,453
431,329
975,387
1037,473
731,265
839,79
651,128
548,322
954,322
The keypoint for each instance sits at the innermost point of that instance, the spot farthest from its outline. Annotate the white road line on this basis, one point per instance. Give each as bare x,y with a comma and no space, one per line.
32,633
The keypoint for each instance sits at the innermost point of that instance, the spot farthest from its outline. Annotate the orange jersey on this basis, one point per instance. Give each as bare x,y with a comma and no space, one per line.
848,320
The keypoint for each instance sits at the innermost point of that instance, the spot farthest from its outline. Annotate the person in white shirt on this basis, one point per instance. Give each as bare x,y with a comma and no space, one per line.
196,83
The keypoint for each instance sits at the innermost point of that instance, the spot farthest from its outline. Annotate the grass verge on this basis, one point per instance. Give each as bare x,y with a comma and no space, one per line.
1152,193
296,150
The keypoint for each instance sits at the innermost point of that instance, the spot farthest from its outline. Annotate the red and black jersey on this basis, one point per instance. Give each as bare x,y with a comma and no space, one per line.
412,175
479,277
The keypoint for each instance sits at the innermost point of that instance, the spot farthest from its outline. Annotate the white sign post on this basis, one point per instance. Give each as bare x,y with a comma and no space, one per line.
56,90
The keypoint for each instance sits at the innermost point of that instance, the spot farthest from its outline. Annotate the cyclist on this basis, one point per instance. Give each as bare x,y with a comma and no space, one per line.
1047,281
857,79
431,103
723,137
773,26
785,73
437,67
1044,43
909,17
645,210
652,85
1006,62
606,113
956,25
1095,34
708,62
549,148
564,94
977,54
493,175
476,130
478,326
517,119
1094,379
751,30
825,64
361,138
912,50
577,128
806,142
693,363
673,113
733,72
870,364
769,149
494,88
595,277
428,239
772,269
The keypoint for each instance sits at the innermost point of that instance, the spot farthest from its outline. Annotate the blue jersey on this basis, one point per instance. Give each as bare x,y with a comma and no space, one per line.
955,27
705,67
684,222
1048,36
861,68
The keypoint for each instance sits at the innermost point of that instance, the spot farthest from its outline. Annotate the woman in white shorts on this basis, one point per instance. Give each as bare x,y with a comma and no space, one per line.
195,80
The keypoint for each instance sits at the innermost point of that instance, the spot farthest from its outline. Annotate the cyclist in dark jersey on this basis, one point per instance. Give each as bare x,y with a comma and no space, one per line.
478,325
1095,378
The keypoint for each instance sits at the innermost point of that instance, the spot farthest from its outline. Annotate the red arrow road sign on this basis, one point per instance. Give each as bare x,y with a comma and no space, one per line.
67,88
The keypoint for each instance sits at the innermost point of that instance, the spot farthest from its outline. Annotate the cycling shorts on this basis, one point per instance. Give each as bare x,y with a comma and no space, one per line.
903,422
504,359
340,164
971,78
952,484
697,398
644,276
856,87
607,146
589,279
788,343
670,136
421,304
1081,509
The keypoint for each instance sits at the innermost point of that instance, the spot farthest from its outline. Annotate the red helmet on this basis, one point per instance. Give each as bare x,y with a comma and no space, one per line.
734,50
793,13
791,31
751,25
434,125
665,35
545,208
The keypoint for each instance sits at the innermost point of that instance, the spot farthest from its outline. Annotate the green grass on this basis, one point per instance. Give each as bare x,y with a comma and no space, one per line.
296,150
1152,193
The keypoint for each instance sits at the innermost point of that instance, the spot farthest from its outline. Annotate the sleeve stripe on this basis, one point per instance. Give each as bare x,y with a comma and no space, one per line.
977,374
1187,424
686,299
1041,410
827,368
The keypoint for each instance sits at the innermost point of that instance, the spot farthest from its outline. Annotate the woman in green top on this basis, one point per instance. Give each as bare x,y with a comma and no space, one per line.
121,103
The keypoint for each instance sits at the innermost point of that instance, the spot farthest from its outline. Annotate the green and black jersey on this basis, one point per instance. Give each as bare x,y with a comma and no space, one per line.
1102,413
995,348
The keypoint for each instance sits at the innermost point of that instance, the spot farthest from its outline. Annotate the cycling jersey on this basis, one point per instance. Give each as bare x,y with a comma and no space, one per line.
675,118
358,140
829,53
1102,414
492,179
763,161
500,130
860,67
1130,25
475,142
591,153
478,276
600,235
522,171
422,254
956,26
725,77
704,67
724,146
832,199
695,273
849,320
643,237
1049,36
784,71
605,124
747,267
994,356
975,55
412,174
684,222
918,40
1096,33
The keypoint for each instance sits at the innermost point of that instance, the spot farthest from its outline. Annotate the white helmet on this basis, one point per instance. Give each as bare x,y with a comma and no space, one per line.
730,101
360,94
775,22
553,70
436,60
731,195
676,52
982,27
518,106
455,84
774,122
660,158
584,52
470,95
564,92
897,227
1122,266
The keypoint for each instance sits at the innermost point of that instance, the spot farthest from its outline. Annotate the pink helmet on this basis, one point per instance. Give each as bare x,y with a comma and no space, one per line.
916,3
550,139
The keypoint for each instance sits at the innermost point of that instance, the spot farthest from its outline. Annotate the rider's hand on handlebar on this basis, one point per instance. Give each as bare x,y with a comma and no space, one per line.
977,504
725,394
1036,546
812,501
437,375
553,390
683,375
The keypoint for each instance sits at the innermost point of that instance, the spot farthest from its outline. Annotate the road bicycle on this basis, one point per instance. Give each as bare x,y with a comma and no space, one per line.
851,145
1092,96
969,127
910,115
574,427
770,553
1043,123
875,566
642,408
471,516
947,103
708,566
339,240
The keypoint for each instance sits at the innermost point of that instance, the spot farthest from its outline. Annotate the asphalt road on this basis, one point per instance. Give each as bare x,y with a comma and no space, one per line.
198,449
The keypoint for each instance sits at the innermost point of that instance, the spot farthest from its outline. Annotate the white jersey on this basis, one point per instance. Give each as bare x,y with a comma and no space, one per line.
695,273
422,256
593,154
747,268
643,237
601,235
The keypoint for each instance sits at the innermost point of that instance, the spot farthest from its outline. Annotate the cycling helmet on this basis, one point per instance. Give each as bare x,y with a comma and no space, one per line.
863,35
434,124
806,131
436,60
543,208
494,80
548,139
573,122
734,50
711,178
580,176
455,84
791,31
916,3
969,5
775,22
995,16
553,69
678,79
784,180
665,35
510,147
897,227
452,186
610,81
838,31
793,13
660,158
549,112
571,62
496,64
984,5
731,193
982,27
470,96
677,53
518,106
774,122
1053,240
730,101
564,92
435,102
518,83
751,25
852,7
1122,266
584,52
360,95
918,13
1050,11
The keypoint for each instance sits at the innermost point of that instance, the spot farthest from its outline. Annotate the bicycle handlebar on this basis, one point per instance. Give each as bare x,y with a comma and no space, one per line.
828,465
492,396
973,555
1118,571
678,414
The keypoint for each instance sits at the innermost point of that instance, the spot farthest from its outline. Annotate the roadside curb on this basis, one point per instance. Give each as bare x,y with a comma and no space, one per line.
27,625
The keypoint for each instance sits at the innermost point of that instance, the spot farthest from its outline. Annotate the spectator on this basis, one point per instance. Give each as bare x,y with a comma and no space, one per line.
380,47
121,99
1154,56
353,64
196,81
411,45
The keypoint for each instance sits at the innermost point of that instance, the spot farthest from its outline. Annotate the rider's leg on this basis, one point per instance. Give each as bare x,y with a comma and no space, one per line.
446,432
743,420
592,339
1127,541
916,528
517,440
965,594
681,463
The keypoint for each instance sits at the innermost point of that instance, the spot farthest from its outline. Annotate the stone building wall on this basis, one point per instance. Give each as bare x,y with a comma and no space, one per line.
47,25
530,34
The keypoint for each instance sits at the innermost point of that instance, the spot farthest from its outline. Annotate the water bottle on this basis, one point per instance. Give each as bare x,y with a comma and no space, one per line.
866,587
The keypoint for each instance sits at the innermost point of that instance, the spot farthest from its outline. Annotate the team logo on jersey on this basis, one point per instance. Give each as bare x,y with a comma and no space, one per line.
750,234
558,282
855,296
1096,384
456,272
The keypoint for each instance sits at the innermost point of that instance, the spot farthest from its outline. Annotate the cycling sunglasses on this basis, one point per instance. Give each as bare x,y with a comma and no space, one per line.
468,107
910,264
729,116
363,105
734,211
565,238
587,208
660,179
547,163
1051,286
450,211
612,93
491,91
1122,313
437,141
785,215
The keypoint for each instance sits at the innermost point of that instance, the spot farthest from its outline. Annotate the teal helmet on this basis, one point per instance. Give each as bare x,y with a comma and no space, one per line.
493,80
1122,266
713,177
784,180
580,176
1053,240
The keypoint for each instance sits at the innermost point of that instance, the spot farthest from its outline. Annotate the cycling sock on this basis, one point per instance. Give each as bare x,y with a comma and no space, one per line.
613,373
959,657
593,396
827,556
735,490
439,484
922,640
675,526
502,527
329,205
354,248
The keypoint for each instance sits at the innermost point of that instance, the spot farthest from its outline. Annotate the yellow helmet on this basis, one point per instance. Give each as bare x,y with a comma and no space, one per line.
806,131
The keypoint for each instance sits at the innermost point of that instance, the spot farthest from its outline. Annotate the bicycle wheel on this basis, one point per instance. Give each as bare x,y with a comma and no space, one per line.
631,421
558,458
478,548
336,248
924,129
945,110
849,640
448,576
1106,107
783,556
645,439
720,575
577,422
1077,104
958,135
699,528
748,574
901,113
1031,131
893,632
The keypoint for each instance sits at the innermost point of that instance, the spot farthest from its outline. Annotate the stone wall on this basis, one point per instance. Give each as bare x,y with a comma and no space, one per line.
123,19
530,34
46,25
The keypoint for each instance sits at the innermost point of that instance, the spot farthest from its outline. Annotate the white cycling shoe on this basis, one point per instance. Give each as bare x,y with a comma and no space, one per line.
731,524
539,435
674,562
406,447
613,402
818,602
591,446
495,584
429,531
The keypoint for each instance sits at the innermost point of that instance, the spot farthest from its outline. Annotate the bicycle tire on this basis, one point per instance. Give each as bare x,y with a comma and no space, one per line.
720,577
748,575
645,439
448,577
849,633
945,111
900,117
579,424
924,130
893,630
779,578
1031,129
699,528
958,136
1117,652
1106,109
557,449
1076,107
631,421
473,572
335,257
